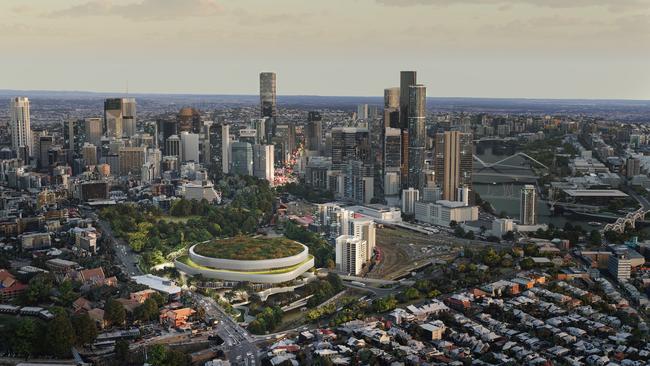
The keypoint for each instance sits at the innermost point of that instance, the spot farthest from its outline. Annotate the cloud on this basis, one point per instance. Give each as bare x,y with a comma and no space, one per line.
144,9
614,5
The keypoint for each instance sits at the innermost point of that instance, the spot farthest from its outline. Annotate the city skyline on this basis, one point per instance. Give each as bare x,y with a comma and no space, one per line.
496,48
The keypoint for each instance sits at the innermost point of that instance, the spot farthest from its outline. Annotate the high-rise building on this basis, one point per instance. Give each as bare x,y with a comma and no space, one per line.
45,142
173,146
93,131
619,265
242,158
113,118
226,156
128,117
407,79
314,132
452,162
131,160
362,112
364,229
89,154
632,167
417,135
350,254
528,205
350,143
263,157
392,160
189,147
358,185
391,107
74,135
409,197
268,102
189,120
21,130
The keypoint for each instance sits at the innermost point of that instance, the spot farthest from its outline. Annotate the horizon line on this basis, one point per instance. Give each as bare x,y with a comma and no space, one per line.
125,94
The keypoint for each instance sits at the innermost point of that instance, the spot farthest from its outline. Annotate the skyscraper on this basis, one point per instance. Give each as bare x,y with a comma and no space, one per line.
93,130
74,135
263,162
407,79
409,197
417,134
268,102
362,112
131,160
242,158
528,205
314,132
189,147
128,117
452,162
391,107
350,143
113,121
21,130
392,160
226,156
350,254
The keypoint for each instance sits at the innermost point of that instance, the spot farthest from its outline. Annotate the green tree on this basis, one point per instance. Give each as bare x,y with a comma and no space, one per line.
595,238
156,355
85,329
114,312
39,289
147,311
60,335
25,337
122,351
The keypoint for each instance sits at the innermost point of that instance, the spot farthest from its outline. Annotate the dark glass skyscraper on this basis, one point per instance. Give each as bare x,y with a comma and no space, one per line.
268,102
417,134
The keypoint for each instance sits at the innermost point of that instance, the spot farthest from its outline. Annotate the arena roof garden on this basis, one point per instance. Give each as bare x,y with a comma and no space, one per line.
248,248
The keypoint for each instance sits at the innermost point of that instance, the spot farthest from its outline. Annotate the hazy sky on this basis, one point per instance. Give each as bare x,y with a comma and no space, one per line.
475,48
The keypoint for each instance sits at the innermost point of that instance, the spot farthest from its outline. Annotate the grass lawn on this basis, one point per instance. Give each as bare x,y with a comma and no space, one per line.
249,248
178,219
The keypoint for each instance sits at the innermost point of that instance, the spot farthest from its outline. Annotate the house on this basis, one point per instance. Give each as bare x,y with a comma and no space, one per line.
81,305
177,317
10,287
142,296
61,266
459,301
433,330
35,241
94,276
128,304
97,315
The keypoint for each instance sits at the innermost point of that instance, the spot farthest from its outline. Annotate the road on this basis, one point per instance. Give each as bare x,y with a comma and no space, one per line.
239,345
128,259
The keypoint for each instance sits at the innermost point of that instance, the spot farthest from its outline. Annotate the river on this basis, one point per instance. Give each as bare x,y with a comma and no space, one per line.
505,196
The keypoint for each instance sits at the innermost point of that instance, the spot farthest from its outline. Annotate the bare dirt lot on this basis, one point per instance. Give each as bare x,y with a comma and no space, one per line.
403,250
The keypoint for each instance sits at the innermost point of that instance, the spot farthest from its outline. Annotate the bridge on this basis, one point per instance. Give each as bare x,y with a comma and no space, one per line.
500,162
631,219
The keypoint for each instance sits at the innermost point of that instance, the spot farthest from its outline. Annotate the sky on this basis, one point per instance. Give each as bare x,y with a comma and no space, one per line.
461,48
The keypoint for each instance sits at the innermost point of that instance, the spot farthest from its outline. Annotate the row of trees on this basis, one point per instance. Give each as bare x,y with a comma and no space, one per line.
266,320
29,337
323,252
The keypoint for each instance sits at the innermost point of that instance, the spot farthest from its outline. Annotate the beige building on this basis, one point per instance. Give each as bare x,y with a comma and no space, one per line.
132,159
453,162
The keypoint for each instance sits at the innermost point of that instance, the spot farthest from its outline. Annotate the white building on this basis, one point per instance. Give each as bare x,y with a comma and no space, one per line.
619,265
21,131
263,162
443,212
225,148
201,190
391,183
350,254
409,197
501,227
364,229
189,147
528,205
